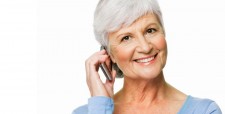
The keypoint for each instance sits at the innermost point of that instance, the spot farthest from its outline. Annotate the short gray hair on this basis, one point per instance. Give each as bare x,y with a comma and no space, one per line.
110,15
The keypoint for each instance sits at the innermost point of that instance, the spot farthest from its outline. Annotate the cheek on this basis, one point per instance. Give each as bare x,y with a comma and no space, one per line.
122,54
160,43
162,46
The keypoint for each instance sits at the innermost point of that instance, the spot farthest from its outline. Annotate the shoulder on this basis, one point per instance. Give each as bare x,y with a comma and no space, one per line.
200,106
81,110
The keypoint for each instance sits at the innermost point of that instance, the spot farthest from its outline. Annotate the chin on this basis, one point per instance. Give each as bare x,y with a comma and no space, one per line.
150,72
150,75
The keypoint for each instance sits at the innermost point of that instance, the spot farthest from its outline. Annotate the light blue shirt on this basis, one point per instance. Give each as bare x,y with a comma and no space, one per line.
192,105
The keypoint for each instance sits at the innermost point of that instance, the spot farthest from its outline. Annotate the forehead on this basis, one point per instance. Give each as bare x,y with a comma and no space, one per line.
141,22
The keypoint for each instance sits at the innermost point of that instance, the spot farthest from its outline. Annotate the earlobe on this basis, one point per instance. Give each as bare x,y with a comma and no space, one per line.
112,58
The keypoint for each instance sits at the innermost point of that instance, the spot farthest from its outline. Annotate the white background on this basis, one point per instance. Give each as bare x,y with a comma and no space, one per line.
44,43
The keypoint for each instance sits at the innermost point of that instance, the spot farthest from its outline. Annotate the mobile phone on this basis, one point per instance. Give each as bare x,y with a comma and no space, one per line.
105,69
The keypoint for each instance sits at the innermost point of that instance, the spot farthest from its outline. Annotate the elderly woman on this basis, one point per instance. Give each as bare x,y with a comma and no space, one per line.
134,37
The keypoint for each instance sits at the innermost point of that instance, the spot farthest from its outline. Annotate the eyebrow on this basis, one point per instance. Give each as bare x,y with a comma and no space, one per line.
151,24
127,32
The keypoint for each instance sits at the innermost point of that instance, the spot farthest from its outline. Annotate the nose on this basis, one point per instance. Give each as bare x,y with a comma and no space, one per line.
144,46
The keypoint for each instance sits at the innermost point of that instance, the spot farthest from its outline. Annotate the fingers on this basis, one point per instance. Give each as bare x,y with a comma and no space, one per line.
92,63
92,66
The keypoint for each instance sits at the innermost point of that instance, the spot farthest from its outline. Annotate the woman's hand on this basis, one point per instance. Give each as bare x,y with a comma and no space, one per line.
95,84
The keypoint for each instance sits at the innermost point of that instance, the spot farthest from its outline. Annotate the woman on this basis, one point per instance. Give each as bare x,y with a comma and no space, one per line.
132,32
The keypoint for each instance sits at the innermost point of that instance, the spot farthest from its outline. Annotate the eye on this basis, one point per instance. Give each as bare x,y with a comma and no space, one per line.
151,30
125,38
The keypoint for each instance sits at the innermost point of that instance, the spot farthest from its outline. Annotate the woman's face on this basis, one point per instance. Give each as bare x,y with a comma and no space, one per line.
140,49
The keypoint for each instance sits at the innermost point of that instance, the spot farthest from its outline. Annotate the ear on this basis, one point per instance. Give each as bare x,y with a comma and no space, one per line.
112,58
109,51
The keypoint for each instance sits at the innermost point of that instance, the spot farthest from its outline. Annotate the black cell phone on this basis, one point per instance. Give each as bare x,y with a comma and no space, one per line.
105,69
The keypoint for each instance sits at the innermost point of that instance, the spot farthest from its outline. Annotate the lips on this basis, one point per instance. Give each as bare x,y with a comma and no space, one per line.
146,59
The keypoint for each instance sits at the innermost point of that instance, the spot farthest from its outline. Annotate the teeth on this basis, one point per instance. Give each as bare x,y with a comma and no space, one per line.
145,60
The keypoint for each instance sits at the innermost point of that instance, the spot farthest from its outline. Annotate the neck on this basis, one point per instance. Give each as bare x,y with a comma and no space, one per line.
140,91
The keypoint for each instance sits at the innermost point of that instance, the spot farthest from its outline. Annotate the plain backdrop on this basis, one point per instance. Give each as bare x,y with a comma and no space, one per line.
44,44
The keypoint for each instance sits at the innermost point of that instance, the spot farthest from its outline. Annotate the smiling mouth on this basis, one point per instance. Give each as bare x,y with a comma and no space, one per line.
146,59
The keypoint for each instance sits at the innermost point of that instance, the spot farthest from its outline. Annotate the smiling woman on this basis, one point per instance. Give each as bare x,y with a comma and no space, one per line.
140,49
132,32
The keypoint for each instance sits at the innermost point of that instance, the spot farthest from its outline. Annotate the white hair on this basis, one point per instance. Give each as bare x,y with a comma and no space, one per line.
110,15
